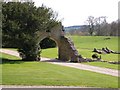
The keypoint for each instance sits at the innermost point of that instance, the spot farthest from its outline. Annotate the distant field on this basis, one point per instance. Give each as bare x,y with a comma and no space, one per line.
85,45
17,72
99,42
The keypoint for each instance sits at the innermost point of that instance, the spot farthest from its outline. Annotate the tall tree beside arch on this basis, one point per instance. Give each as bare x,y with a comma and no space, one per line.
22,22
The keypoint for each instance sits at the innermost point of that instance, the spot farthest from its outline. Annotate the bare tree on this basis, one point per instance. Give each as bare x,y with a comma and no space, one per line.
100,25
91,22
114,28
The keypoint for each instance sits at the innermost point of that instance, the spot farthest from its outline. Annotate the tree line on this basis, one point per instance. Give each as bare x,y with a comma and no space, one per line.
98,27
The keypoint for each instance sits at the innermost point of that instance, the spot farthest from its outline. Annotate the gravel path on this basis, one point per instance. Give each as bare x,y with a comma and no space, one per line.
11,52
90,68
74,65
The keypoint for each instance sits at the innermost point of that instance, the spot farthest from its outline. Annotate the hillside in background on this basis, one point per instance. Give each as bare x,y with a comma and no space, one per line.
77,27
77,30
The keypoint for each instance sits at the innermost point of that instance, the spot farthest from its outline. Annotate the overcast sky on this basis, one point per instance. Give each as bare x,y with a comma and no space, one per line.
75,12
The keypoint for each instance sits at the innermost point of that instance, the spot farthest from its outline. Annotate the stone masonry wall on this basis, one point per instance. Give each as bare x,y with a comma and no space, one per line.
66,49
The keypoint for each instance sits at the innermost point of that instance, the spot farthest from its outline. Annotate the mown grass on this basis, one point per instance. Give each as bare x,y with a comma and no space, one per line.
85,45
40,73
50,53
103,64
99,42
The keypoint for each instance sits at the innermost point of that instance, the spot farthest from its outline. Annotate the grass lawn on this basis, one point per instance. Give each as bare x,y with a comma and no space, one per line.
50,53
17,72
103,64
85,45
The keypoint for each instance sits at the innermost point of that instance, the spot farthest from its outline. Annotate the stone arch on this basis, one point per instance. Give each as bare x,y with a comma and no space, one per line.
66,49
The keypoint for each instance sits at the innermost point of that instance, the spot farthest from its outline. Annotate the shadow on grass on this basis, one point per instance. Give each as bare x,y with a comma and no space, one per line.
9,61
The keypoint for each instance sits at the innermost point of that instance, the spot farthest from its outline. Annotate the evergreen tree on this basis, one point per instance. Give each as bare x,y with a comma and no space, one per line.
22,22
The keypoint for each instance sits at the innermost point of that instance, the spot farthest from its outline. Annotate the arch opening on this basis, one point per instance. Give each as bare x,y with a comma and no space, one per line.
49,48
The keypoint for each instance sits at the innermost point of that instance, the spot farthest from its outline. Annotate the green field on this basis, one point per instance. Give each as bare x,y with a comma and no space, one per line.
104,65
17,72
85,45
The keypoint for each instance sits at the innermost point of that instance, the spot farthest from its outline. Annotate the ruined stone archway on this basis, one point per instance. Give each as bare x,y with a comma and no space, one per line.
66,49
